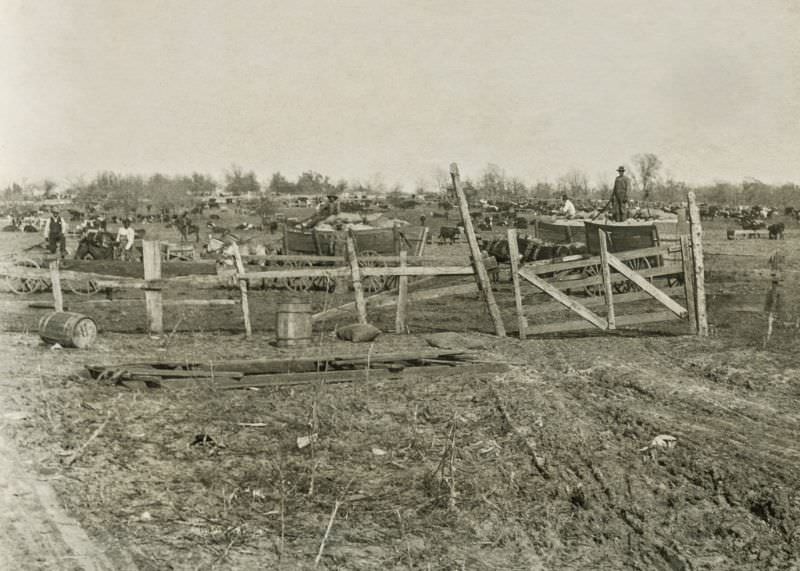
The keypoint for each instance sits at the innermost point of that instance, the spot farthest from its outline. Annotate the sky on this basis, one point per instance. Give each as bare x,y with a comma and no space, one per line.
396,90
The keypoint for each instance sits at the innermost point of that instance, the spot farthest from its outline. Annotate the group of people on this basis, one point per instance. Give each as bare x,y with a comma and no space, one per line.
56,228
617,205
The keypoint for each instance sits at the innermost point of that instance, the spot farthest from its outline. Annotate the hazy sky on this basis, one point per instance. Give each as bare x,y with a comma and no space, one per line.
352,88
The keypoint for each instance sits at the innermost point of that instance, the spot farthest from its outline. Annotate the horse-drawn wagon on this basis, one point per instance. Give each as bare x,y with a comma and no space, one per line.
638,246
307,248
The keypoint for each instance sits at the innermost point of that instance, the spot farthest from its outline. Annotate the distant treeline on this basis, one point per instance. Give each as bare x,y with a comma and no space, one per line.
131,193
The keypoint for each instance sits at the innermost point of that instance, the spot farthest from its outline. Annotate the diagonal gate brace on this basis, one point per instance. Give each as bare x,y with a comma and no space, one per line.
564,299
647,287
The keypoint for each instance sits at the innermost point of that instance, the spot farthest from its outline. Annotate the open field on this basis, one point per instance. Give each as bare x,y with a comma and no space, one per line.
546,466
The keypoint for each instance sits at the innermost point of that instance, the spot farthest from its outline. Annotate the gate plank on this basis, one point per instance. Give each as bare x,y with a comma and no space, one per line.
564,299
622,321
646,286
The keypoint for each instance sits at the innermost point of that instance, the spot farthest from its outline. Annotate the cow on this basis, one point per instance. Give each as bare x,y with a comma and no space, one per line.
776,231
449,234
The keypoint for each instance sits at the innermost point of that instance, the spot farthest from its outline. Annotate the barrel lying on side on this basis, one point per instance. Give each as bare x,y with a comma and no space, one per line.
67,329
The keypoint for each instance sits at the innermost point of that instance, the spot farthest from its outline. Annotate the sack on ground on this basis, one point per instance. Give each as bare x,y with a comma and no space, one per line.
358,332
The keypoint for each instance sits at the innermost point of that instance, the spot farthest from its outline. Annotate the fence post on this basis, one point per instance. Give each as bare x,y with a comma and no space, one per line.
55,280
355,273
513,254
608,291
421,248
696,231
237,256
151,258
477,259
688,282
774,295
401,320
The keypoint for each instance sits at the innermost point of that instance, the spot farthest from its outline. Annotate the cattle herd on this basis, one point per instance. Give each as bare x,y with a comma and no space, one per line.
91,226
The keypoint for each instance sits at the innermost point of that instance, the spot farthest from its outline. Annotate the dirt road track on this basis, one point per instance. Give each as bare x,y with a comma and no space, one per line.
35,532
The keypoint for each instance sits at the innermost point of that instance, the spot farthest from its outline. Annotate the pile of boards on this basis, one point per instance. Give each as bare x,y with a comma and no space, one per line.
258,373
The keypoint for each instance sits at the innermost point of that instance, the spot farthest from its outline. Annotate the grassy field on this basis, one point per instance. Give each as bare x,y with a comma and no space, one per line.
548,466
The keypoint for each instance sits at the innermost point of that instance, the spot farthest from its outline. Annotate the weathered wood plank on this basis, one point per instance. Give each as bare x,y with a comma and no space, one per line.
401,318
151,257
696,233
335,377
622,321
55,284
688,282
355,272
547,266
248,328
608,290
564,299
513,254
646,286
599,300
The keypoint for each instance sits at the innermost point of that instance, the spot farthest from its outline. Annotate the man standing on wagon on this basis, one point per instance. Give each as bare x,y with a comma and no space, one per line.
619,196
55,233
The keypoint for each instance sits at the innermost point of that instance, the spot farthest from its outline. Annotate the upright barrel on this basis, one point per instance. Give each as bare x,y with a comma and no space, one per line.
67,329
294,325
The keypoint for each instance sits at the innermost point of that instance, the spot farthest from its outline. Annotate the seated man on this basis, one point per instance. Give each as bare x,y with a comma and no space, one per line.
125,238
567,208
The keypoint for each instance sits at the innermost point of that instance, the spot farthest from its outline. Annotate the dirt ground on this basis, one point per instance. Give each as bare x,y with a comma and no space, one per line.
548,466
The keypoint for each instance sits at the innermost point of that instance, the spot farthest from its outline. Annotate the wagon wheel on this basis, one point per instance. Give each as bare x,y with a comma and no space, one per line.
590,272
572,274
637,265
25,285
81,287
324,283
675,281
371,284
299,284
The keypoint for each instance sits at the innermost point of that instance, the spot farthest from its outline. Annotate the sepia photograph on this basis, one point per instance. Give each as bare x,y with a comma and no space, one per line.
405,285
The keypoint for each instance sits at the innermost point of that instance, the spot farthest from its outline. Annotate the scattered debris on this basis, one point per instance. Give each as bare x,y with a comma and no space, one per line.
300,371
378,451
203,440
660,441
303,441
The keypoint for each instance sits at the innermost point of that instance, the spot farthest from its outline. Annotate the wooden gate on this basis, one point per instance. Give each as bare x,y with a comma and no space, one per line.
588,285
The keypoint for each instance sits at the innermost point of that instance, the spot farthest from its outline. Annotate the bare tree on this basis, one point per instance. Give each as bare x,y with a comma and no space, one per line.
646,167
574,182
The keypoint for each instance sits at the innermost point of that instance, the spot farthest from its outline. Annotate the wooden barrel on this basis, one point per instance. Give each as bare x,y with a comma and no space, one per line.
294,324
67,329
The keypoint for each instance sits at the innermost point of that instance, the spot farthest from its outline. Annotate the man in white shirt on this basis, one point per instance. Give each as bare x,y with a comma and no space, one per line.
125,238
567,208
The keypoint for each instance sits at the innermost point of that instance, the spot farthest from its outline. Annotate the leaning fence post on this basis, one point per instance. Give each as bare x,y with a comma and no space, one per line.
688,282
240,277
401,320
513,254
475,252
607,289
55,281
699,269
355,273
151,258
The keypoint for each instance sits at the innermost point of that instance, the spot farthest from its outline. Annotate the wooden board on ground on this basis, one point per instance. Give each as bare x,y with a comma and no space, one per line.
581,325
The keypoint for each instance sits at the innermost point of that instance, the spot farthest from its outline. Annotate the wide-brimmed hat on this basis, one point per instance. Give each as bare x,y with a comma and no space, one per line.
621,169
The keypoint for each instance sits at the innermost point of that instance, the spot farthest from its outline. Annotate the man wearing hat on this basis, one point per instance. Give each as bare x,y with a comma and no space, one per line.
55,233
619,196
